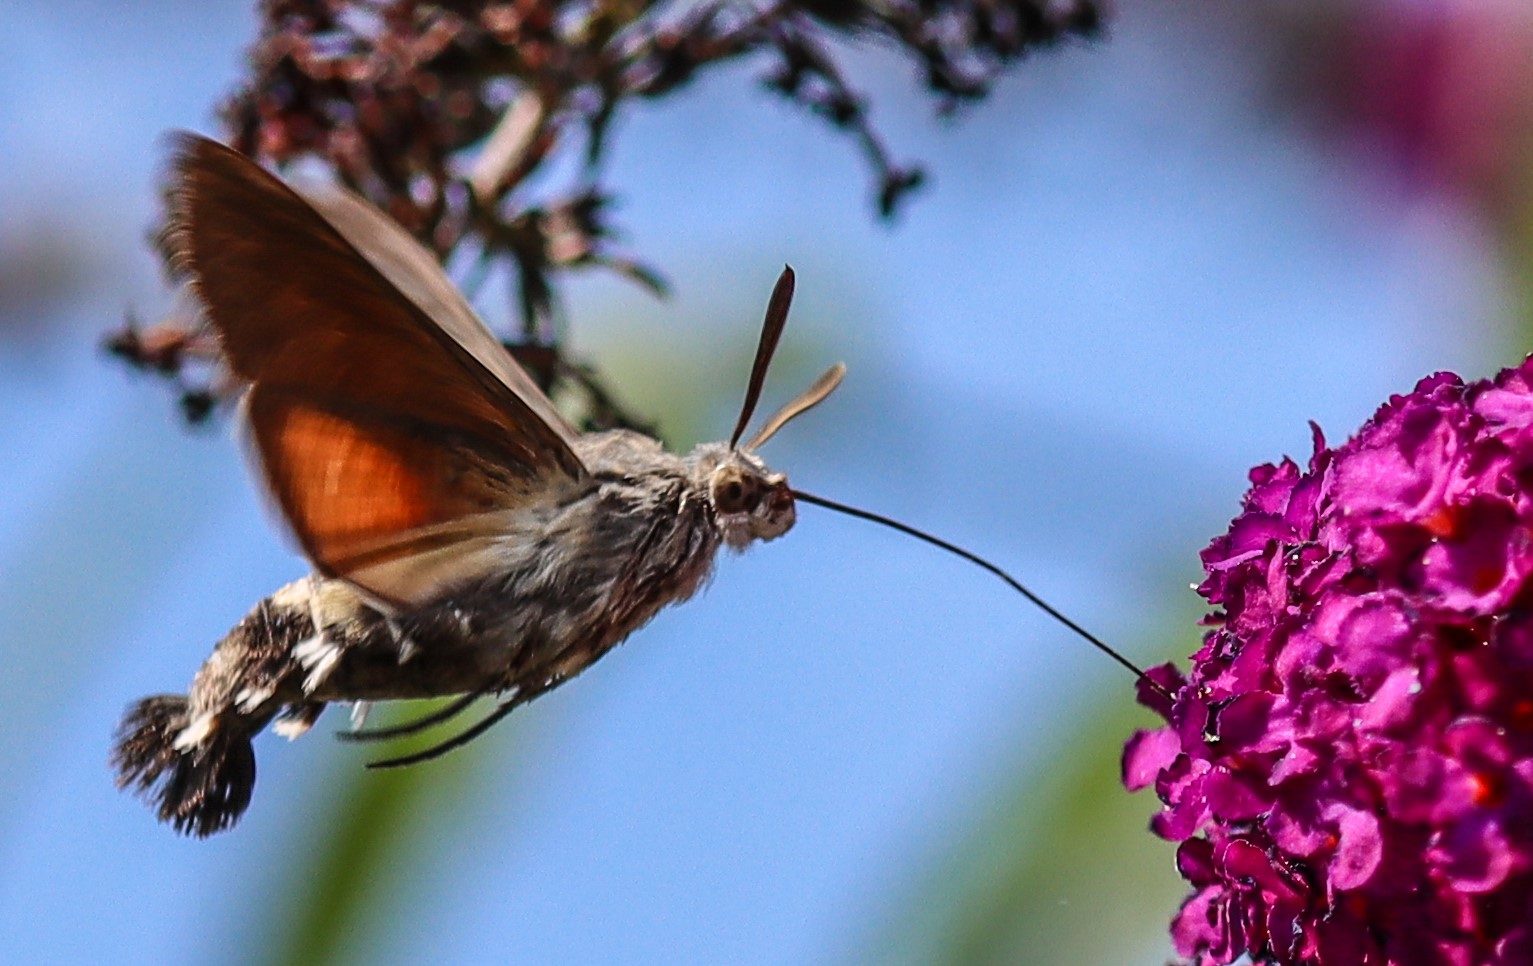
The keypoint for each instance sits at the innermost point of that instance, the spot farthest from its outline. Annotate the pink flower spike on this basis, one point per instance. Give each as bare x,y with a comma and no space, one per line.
1348,763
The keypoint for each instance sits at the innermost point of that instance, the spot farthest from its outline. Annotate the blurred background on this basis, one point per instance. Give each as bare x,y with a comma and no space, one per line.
1138,270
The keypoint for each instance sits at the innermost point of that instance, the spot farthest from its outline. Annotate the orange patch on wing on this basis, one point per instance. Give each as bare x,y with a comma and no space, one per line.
354,492
343,482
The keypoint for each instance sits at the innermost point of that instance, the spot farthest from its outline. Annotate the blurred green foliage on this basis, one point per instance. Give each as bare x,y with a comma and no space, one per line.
380,820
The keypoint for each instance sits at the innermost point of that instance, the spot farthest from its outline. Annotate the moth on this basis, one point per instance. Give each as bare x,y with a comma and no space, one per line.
466,541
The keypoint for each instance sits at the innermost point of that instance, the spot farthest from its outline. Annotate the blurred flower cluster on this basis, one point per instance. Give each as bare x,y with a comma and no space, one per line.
1433,93
450,116
1349,764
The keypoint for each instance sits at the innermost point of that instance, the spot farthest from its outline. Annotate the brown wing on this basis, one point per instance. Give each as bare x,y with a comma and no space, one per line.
412,269
381,435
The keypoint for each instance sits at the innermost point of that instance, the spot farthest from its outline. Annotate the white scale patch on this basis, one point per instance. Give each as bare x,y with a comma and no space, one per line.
318,655
292,728
195,733
249,699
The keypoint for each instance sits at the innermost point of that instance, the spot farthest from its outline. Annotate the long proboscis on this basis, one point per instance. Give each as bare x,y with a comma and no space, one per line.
976,559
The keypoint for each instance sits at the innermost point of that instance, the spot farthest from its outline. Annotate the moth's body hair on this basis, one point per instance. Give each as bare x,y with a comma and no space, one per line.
579,572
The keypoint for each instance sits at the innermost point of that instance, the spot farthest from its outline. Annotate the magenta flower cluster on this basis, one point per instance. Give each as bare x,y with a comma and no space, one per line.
1348,765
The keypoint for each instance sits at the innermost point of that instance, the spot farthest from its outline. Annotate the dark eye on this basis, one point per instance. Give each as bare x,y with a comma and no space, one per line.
735,493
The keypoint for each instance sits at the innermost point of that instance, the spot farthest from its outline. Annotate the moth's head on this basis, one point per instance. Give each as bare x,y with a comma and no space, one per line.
748,500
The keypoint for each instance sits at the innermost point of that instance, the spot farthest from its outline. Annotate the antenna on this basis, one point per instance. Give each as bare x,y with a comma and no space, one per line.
771,331
798,405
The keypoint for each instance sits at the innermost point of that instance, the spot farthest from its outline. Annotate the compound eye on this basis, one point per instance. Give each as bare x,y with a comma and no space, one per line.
735,492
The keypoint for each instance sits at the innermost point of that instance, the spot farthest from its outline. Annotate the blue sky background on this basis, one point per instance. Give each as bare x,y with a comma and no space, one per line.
1129,280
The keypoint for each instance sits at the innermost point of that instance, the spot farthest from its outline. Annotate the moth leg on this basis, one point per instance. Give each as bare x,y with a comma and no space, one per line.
456,741
508,705
441,715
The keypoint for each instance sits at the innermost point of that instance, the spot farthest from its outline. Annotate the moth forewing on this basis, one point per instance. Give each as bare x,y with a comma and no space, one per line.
371,414
419,277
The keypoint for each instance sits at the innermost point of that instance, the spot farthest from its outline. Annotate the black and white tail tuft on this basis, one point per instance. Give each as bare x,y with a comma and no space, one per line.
200,787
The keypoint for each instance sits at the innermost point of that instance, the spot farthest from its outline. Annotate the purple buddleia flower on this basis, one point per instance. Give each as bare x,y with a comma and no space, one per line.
1348,765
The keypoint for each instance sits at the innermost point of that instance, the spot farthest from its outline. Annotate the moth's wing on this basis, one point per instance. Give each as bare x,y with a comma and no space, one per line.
382,436
412,269
403,509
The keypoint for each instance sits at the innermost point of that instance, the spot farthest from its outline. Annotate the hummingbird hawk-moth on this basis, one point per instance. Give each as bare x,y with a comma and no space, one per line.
466,541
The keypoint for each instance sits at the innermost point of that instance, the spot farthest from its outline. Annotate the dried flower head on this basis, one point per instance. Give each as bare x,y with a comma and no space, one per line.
1349,764
451,115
